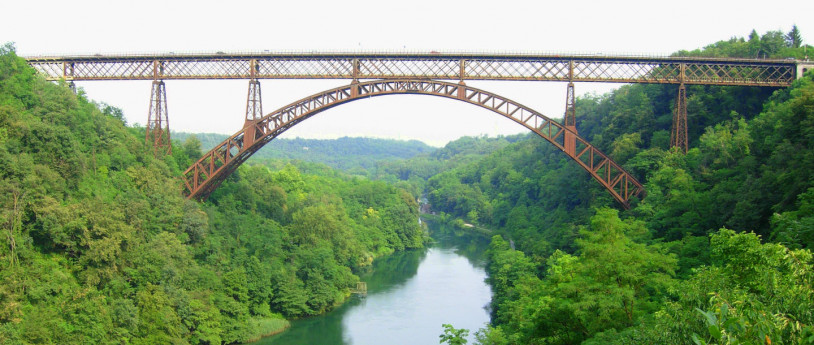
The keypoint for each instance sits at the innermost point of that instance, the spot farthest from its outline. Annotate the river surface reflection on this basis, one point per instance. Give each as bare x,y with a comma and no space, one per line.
410,295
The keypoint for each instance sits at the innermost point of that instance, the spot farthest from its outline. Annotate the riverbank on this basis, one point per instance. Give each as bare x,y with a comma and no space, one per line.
447,224
266,327
263,328
410,295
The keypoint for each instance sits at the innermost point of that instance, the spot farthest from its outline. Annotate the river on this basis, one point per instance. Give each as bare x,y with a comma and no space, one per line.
410,295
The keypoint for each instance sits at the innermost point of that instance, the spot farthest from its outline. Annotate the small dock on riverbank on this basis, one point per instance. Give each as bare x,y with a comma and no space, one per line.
361,289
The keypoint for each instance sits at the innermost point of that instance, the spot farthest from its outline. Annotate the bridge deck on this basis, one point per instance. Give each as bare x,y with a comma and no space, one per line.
439,66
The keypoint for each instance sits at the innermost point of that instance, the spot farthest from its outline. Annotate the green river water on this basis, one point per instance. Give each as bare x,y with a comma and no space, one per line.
410,295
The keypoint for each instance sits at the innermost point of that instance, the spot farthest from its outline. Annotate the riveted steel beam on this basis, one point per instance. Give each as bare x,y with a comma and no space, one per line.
158,125
209,171
678,135
590,68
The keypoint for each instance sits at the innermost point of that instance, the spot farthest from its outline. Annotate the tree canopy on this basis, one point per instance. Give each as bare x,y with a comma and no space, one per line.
668,270
99,247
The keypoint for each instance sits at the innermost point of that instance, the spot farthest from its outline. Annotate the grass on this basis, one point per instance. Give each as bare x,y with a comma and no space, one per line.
264,327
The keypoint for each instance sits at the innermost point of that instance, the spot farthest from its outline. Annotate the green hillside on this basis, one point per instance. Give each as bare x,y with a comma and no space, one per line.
355,155
669,270
99,247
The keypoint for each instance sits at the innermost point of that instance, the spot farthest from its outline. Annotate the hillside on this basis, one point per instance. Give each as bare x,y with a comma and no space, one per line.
412,174
669,270
355,155
98,246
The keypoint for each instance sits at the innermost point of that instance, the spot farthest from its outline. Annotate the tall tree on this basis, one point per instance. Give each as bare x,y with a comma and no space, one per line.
793,38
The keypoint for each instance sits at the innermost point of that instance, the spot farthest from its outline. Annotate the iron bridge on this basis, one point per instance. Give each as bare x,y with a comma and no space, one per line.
474,66
378,74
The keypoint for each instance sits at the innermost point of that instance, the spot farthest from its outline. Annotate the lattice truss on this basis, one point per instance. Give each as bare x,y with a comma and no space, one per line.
209,171
542,68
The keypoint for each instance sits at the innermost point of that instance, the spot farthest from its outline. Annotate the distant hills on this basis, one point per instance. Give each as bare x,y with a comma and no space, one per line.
344,153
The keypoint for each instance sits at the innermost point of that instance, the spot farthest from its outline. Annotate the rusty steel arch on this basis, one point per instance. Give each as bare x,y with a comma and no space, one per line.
209,171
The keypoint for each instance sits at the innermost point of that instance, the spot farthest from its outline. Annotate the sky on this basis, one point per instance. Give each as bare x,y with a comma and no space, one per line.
147,26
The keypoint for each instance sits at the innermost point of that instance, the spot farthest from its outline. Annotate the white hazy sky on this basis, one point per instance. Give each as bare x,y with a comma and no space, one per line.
608,27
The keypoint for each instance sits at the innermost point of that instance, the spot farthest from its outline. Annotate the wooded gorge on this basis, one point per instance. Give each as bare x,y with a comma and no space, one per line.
669,270
99,246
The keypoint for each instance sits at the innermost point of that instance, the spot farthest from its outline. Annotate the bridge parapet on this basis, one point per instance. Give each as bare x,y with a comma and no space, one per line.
438,66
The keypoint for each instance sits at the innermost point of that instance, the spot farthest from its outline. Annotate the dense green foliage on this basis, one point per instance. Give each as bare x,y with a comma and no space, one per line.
772,44
667,270
99,247
307,232
612,282
354,155
412,174
406,165
453,336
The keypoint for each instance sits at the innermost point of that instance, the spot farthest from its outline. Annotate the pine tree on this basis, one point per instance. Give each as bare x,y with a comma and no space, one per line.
753,36
793,38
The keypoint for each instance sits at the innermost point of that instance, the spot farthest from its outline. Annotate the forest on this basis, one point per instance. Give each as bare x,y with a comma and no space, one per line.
99,246
355,156
717,252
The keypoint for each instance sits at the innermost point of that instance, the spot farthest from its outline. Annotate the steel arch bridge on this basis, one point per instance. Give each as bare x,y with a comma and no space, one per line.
421,73
209,171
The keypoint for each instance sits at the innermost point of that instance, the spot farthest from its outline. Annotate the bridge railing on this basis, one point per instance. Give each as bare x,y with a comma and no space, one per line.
427,66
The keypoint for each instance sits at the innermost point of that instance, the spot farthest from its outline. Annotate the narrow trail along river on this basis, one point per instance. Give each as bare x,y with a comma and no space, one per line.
410,295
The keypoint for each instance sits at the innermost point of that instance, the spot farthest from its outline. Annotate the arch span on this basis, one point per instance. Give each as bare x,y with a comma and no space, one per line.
207,173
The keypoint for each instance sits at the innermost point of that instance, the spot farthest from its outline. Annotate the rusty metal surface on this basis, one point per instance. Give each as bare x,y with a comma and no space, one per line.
254,101
585,68
570,107
208,172
570,119
158,125
678,135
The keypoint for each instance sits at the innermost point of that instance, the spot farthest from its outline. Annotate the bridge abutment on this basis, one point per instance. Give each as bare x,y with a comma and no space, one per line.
803,67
